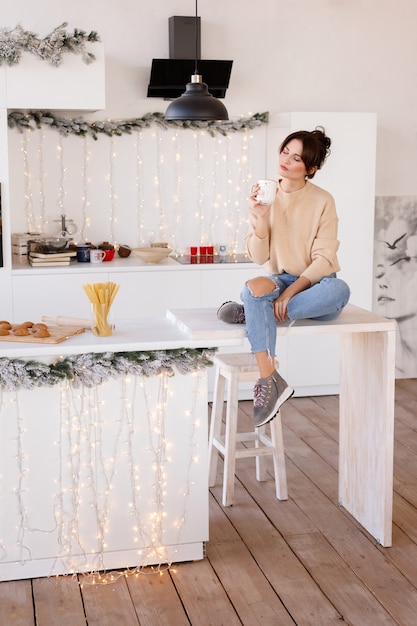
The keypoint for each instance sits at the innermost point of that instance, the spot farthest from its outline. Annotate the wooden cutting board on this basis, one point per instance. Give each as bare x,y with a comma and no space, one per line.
57,334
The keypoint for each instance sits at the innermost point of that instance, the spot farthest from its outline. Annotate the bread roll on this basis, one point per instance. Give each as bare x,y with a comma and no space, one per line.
39,326
20,331
42,333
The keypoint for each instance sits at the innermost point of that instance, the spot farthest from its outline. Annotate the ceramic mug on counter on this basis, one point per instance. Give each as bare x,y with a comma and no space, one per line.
108,248
83,254
97,256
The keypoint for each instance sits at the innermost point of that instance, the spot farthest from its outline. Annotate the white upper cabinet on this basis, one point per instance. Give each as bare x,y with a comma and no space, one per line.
35,84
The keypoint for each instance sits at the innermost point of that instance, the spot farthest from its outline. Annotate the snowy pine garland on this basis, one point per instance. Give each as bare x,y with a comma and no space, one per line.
96,368
14,41
78,126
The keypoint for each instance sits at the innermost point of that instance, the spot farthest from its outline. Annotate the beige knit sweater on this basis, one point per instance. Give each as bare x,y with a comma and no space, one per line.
303,235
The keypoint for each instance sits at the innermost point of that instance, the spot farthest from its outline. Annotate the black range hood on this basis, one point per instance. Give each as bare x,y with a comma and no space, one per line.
169,76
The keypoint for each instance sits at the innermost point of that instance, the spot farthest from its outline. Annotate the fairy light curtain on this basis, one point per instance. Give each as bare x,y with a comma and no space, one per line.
183,186
102,468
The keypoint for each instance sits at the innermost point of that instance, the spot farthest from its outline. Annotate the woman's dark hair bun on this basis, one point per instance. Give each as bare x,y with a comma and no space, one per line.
320,133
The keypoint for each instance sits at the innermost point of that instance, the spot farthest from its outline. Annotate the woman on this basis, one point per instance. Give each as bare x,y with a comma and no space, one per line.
296,239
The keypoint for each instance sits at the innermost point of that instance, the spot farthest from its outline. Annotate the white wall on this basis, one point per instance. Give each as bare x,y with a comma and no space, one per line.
327,55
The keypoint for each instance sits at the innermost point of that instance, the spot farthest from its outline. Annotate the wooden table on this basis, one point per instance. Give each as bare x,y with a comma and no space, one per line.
367,386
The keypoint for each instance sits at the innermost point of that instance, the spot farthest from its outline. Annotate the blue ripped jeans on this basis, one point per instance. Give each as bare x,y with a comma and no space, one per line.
324,301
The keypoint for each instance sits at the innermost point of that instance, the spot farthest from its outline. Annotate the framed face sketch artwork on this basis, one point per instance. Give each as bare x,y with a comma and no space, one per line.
395,272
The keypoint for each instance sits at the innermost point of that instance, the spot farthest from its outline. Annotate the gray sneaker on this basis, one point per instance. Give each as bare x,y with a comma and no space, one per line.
231,313
269,395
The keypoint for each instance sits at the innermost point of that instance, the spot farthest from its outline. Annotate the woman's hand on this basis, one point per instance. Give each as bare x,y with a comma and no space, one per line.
281,303
261,210
281,307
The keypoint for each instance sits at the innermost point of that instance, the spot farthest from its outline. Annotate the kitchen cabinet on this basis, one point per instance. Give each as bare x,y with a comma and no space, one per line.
35,84
226,284
145,290
145,293
51,294
106,476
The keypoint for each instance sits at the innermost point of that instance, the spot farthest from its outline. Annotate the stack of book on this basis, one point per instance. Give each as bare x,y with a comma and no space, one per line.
52,259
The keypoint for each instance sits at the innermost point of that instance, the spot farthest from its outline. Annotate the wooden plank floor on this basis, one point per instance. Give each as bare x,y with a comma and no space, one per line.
304,561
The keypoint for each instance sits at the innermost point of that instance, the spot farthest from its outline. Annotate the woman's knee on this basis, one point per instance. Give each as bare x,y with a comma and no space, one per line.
343,291
337,292
260,285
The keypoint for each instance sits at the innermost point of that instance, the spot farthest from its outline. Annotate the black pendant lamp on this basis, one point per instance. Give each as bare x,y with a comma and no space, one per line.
196,103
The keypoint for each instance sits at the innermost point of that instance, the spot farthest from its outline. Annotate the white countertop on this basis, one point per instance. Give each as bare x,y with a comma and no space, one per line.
130,264
199,323
130,336
190,328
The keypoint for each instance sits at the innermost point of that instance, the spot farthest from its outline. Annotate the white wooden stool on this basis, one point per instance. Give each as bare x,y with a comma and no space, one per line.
237,368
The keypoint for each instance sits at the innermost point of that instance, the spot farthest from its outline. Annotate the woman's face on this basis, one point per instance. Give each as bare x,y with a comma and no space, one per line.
291,164
396,272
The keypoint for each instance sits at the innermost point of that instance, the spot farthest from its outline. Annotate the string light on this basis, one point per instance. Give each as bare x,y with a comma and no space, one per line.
29,217
189,187
159,202
41,180
243,178
62,176
86,222
112,191
140,198
24,550
109,437
200,194
176,213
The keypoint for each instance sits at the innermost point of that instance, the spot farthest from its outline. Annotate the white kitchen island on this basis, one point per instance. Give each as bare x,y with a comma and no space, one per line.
107,475
114,474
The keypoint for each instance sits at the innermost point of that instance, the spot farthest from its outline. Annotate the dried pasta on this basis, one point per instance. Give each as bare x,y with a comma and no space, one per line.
101,296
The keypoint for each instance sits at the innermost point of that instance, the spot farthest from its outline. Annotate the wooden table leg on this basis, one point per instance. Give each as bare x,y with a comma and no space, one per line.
366,437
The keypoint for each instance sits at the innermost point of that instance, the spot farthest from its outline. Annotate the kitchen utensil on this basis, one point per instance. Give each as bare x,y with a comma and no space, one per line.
48,245
152,255
62,320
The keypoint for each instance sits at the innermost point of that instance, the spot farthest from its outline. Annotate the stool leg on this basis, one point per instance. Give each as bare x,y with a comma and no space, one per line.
215,425
279,458
230,440
260,459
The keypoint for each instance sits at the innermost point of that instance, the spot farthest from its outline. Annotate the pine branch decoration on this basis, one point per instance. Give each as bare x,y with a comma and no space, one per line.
92,369
15,41
78,126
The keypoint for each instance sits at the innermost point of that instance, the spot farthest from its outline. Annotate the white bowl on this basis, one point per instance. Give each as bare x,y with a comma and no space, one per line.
152,255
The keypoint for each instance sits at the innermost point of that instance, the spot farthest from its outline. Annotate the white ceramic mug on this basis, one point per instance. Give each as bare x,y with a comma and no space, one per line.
97,256
267,191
